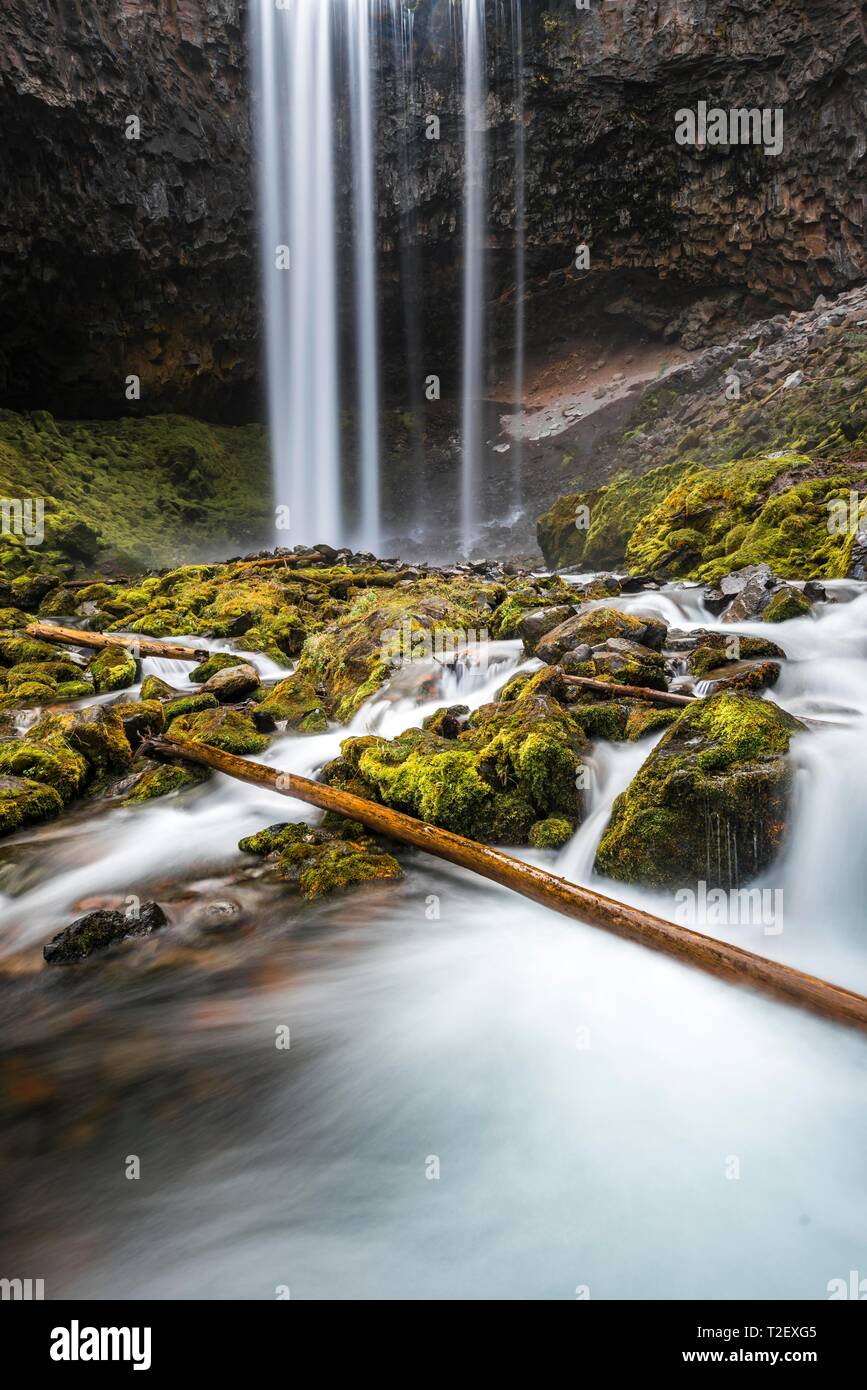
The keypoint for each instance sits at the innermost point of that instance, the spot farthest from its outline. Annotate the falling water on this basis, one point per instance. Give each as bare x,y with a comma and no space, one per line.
474,215
293,48
520,241
360,67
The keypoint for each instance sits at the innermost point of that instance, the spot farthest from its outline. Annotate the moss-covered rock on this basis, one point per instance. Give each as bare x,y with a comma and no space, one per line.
718,649
97,733
141,719
512,764
26,802
711,802
161,779
788,602
188,704
227,729
217,661
113,668
318,861
49,759
15,650
296,701
154,688
552,833
96,931
648,719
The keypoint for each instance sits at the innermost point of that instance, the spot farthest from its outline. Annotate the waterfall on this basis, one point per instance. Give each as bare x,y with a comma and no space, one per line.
360,67
520,245
296,47
474,220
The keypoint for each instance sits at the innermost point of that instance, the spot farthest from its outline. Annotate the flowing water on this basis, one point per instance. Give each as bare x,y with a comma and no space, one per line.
480,1099
475,63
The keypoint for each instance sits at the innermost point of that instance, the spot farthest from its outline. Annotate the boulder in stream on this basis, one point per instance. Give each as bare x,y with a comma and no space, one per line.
98,930
711,802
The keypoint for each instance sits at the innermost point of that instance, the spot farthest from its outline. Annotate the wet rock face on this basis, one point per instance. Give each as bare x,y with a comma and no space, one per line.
98,930
120,256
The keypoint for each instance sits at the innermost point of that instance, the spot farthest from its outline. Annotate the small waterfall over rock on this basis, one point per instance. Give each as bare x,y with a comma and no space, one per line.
327,75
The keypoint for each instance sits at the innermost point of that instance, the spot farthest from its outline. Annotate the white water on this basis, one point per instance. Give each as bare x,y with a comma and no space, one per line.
292,50
363,64
474,232
584,1097
520,249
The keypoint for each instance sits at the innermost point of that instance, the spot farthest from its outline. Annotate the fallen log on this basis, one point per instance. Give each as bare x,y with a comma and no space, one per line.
630,692
170,650
717,957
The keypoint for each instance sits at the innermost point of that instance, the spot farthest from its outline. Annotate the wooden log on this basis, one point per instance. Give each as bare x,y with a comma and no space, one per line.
170,650
716,957
630,692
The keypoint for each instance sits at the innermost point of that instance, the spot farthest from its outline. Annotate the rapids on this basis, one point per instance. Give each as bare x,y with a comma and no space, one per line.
480,1099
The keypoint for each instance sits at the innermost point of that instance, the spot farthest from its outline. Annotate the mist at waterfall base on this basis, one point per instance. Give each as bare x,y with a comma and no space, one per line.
584,1098
319,100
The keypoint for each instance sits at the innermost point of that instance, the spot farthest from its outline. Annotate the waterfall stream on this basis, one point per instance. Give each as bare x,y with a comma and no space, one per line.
318,100
556,1073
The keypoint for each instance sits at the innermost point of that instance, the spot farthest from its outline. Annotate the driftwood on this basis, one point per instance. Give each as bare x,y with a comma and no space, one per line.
140,645
717,957
632,692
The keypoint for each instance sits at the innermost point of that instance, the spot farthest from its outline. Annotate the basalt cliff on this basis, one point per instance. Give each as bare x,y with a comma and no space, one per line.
123,256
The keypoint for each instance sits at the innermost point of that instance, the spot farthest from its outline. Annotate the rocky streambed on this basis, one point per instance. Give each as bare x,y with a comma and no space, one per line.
290,1019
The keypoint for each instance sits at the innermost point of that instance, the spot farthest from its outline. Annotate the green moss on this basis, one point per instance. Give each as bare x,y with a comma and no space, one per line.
152,688
275,838
50,760
222,728
141,718
787,603
552,833
719,649
24,802
163,779
296,701
155,489
97,733
113,668
318,870
614,511
217,661
605,719
710,802
189,704
13,618
15,650
648,719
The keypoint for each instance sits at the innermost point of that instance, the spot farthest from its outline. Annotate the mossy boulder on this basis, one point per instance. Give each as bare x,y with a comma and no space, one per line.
141,719
318,861
162,779
711,802
217,661
552,833
227,729
788,602
50,760
15,650
188,704
297,702
648,719
24,801
113,668
512,764
96,931
97,733
13,618
154,688
718,649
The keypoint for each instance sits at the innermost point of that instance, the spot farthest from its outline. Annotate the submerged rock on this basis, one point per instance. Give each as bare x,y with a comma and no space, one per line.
96,931
711,802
